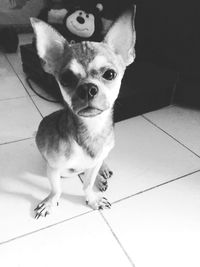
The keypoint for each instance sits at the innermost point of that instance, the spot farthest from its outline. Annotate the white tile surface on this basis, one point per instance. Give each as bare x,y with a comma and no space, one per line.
144,157
46,107
84,241
10,86
161,227
23,184
19,119
182,123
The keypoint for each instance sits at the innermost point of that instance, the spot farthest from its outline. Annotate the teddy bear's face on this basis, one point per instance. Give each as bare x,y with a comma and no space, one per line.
81,24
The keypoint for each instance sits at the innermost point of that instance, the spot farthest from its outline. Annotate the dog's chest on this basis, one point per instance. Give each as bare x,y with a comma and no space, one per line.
79,159
80,149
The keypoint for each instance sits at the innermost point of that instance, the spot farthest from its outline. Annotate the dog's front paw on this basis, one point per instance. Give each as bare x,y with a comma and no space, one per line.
45,207
99,203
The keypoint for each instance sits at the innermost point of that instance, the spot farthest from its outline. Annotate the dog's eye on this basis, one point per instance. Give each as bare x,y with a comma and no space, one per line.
67,78
109,74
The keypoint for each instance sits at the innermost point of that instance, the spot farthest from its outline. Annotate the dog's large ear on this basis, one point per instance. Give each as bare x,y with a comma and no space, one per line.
50,45
121,37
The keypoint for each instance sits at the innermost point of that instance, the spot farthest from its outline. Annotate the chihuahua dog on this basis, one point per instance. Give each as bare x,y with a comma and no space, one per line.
78,138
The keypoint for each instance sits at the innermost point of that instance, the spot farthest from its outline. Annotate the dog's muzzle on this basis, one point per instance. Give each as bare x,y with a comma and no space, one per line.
87,92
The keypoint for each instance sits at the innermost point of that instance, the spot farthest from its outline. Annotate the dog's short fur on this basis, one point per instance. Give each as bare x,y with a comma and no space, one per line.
78,138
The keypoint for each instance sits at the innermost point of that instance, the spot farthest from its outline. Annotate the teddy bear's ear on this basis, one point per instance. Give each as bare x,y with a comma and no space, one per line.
50,44
121,36
99,7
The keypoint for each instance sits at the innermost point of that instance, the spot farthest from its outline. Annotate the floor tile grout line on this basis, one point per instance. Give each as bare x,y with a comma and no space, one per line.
158,127
16,141
115,202
117,239
44,228
13,98
90,211
24,86
157,186
17,75
36,106
153,187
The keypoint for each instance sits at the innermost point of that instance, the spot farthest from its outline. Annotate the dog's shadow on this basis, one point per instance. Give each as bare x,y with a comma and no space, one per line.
31,182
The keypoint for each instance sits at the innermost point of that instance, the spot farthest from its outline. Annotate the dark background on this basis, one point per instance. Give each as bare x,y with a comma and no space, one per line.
168,31
167,67
168,35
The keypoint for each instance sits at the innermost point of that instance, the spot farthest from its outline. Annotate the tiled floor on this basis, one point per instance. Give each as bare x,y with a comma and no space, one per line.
155,191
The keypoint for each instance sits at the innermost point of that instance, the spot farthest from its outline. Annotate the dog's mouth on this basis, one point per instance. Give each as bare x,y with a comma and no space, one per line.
89,112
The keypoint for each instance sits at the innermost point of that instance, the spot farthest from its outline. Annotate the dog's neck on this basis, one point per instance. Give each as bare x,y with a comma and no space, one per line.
94,133
90,133
97,124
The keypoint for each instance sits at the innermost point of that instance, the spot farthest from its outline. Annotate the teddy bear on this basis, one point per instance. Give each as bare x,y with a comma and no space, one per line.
71,19
78,23
83,23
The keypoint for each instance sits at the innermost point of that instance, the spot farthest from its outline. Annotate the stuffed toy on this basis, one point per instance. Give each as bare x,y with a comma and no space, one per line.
83,23
78,23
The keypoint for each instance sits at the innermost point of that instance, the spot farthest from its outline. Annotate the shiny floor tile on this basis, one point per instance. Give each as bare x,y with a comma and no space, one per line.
46,107
180,122
23,184
144,157
10,86
160,227
83,241
19,119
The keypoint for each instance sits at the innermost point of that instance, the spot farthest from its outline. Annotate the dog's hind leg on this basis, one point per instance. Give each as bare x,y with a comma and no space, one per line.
102,178
105,171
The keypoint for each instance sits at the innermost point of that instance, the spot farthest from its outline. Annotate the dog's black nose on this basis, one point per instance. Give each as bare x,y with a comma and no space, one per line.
80,20
87,91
